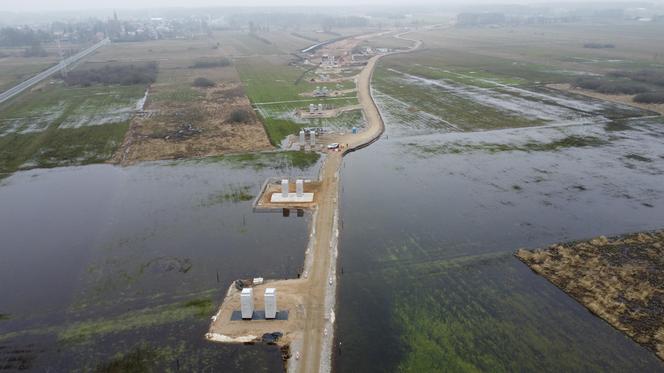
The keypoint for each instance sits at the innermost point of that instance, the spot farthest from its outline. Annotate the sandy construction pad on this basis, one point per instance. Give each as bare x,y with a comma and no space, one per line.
289,298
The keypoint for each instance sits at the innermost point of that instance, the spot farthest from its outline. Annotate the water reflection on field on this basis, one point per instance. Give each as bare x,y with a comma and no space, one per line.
429,226
105,267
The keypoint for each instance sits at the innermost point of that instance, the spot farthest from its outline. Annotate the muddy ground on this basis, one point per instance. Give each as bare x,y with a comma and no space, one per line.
620,279
172,130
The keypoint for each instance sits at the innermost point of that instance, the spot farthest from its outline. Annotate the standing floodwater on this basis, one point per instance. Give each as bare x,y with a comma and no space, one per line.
430,223
121,268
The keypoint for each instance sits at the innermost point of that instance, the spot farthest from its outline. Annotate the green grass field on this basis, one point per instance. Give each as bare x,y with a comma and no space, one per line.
60,126
63,104
269,79
60,147
463,113
259,161
480,79
15,74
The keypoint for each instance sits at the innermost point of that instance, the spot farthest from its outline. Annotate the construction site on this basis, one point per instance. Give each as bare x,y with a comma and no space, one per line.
209,219
303,323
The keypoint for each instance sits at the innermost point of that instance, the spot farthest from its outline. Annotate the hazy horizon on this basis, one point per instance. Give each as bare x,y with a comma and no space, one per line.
74,5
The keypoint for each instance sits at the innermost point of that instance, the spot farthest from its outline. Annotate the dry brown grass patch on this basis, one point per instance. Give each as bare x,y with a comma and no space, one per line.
620,279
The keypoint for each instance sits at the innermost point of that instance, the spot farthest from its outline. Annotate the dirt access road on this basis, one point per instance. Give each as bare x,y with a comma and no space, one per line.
313,353
310,298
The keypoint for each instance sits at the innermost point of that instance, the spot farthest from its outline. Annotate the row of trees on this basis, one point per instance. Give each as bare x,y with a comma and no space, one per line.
118,74
644,84
651,76
20,37
650,98
611,87
204,64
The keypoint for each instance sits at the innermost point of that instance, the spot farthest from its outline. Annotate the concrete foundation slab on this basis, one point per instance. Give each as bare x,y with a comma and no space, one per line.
292,197
259,315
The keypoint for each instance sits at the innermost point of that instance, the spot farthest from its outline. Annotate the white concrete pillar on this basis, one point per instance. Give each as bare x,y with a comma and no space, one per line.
247,303
270,303
302,142
299,187
320,107
284,188
312,108
312,138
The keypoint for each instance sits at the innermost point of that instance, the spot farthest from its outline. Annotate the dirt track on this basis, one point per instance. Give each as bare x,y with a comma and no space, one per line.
310,331
316,346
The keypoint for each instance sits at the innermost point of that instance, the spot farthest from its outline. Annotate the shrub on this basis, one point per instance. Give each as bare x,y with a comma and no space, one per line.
651,76
118,74
203,64
610,87
650,98
587,83
203,83
240,116
627,88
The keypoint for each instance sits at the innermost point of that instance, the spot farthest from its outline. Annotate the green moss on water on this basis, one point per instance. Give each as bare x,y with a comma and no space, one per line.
232,193
140,359
202,306
637,157
239,195
480,314
4,316
86,331
572,141
617,126
259,161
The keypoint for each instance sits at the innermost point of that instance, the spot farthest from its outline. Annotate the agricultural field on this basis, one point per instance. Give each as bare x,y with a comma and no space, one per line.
169,117
433,276
274,42
58,125
236,43
495,158
558,48
459,83
632,62
182,120
387,41
18,71
15,67
443,99
277,89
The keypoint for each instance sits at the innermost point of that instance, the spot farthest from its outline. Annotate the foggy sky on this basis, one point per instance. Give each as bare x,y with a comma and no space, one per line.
39,5
34,5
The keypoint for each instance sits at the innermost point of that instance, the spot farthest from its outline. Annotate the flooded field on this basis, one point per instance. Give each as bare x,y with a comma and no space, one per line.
288,111
130,263
68,107
428,279
439,99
